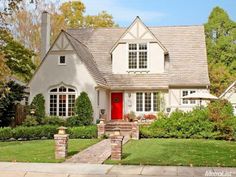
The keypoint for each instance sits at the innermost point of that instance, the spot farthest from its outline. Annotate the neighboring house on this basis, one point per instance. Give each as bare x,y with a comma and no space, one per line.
230,95
139,68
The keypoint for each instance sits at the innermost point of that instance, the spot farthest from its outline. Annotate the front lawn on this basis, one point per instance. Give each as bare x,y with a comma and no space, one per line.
39,150
185,152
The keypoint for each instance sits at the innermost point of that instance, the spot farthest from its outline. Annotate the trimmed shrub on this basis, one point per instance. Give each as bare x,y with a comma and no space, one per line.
5,133
30,121
38,104
194,124
83,132
83,111
37,132
53,120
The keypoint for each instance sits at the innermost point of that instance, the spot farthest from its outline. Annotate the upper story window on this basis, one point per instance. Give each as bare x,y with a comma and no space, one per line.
138,56
62,60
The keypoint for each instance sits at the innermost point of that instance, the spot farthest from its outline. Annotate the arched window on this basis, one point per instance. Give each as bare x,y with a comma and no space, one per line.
62,101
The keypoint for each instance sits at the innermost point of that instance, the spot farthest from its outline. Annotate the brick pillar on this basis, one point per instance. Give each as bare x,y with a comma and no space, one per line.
101,128
61,145
135,130
116,147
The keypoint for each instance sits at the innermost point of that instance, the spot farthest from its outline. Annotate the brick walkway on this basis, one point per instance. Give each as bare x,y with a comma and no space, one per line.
95,154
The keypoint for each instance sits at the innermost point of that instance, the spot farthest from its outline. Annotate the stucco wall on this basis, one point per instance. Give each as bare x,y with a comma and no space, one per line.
74,73
175,99
155,59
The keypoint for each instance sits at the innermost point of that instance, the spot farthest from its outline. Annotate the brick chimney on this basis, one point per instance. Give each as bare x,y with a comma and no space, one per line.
45,34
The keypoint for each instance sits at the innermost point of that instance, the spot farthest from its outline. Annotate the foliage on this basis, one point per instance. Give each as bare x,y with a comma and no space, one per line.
17,57
53,120
10,93
220,33
220,110
4,70
38,104
37,132
83,132
199,123
30,121
83,109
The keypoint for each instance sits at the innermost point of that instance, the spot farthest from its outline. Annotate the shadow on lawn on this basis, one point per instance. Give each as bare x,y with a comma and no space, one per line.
71,153
125,155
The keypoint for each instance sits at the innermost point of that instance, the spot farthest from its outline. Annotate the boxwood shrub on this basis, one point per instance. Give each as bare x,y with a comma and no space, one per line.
46,131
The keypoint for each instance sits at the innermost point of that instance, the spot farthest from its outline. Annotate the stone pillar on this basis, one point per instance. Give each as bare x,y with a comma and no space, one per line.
101,128
116,147
61,145
135,130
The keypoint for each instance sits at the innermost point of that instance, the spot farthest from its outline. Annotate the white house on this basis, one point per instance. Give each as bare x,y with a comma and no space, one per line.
139,68
230,95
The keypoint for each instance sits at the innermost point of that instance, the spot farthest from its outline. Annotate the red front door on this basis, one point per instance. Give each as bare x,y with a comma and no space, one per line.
116,105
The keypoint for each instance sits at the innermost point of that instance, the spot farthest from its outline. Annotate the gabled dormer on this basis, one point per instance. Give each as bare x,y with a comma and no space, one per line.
138,51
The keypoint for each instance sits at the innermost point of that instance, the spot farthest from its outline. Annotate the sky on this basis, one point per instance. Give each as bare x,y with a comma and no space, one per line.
160,12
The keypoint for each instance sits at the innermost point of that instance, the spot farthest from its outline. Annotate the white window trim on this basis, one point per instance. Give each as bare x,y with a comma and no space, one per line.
189,101
127,53
143,97
58,60
67,93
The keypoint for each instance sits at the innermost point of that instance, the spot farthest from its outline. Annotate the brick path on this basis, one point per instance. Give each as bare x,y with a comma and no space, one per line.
95,154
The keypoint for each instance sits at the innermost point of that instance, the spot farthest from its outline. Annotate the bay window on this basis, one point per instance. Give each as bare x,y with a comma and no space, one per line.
62,101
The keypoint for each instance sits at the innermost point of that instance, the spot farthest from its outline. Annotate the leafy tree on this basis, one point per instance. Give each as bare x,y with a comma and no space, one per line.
38,104
18,58
84,109
10,93
4,70
220,33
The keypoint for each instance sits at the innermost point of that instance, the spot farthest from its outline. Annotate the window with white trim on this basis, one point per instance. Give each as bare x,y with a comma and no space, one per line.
147,102
187,101
62,60
62,101
138,56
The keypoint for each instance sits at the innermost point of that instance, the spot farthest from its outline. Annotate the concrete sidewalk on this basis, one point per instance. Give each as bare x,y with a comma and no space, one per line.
8,169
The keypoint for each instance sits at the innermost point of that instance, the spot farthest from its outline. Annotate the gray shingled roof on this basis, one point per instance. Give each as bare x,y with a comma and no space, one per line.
186,50
86,57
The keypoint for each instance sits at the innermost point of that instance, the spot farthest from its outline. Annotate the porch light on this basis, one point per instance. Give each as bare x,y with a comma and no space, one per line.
62,130
102,111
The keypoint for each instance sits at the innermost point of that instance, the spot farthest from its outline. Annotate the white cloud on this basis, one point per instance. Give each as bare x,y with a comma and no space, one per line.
121,13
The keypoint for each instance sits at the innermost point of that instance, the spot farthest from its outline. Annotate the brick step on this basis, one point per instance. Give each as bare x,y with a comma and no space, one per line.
110,126
122,130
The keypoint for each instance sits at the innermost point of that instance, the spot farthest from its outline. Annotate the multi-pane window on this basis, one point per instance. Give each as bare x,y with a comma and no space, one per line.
53,105
139,101
187,101
138,56
71,105
62,100
155,102
147,101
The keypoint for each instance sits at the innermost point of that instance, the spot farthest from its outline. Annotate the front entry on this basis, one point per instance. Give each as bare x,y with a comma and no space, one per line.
116,106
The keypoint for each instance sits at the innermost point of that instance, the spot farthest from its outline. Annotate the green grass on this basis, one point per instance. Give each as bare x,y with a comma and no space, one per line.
184,152
39,150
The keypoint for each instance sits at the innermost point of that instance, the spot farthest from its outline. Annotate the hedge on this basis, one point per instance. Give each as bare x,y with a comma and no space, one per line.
45,131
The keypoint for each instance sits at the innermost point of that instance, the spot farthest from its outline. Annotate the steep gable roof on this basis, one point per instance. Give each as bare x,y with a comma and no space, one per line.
85,56
228,89
138,31
185,45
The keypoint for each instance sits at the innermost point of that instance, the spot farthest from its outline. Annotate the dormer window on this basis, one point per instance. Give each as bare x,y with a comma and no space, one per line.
62,60
138,56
